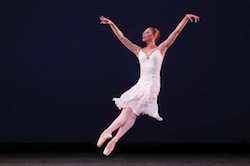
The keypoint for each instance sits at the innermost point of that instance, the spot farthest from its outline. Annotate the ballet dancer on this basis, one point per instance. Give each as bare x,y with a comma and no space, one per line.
141,98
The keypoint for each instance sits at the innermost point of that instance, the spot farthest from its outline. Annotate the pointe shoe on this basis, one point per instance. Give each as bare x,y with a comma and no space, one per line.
103,137
109,148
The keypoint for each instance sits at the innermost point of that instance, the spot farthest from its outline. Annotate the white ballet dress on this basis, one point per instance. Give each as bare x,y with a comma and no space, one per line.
142,97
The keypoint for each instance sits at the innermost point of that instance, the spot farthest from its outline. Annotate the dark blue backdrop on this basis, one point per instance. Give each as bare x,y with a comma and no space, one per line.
60,68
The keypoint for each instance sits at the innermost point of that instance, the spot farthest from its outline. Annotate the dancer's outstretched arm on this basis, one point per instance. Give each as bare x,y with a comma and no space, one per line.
125,41
172,37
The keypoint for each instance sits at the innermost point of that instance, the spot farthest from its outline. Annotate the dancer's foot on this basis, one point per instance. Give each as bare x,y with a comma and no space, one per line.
103,137
110,147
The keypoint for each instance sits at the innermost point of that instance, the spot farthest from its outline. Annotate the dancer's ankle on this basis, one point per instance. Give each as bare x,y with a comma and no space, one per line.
107,132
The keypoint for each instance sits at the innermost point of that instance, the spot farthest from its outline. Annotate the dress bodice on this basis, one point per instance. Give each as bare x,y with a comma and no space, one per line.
150,65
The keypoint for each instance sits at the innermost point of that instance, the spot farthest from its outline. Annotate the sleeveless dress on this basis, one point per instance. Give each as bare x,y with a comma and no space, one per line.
142,97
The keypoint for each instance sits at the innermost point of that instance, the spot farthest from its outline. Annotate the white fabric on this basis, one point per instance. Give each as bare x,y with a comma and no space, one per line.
142,97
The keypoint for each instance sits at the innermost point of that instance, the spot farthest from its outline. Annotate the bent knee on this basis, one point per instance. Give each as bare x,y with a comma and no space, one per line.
132,115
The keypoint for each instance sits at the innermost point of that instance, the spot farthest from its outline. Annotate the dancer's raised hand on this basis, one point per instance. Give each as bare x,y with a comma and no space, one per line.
104,20
193,17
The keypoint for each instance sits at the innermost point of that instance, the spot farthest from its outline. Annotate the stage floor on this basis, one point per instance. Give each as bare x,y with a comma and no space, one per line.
123,159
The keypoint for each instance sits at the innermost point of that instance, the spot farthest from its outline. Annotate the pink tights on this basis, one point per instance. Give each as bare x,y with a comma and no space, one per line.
123,123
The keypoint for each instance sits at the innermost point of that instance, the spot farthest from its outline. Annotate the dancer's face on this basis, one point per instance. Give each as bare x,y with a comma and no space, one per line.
147,35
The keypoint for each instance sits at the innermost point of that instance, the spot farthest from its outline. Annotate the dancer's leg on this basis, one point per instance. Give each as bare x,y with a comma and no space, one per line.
129,124
117,123
120,120
122,130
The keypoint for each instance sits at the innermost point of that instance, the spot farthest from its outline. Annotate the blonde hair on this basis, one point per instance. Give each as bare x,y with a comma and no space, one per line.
156,33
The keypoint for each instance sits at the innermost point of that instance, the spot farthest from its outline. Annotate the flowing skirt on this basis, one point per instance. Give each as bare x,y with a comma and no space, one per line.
142,97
